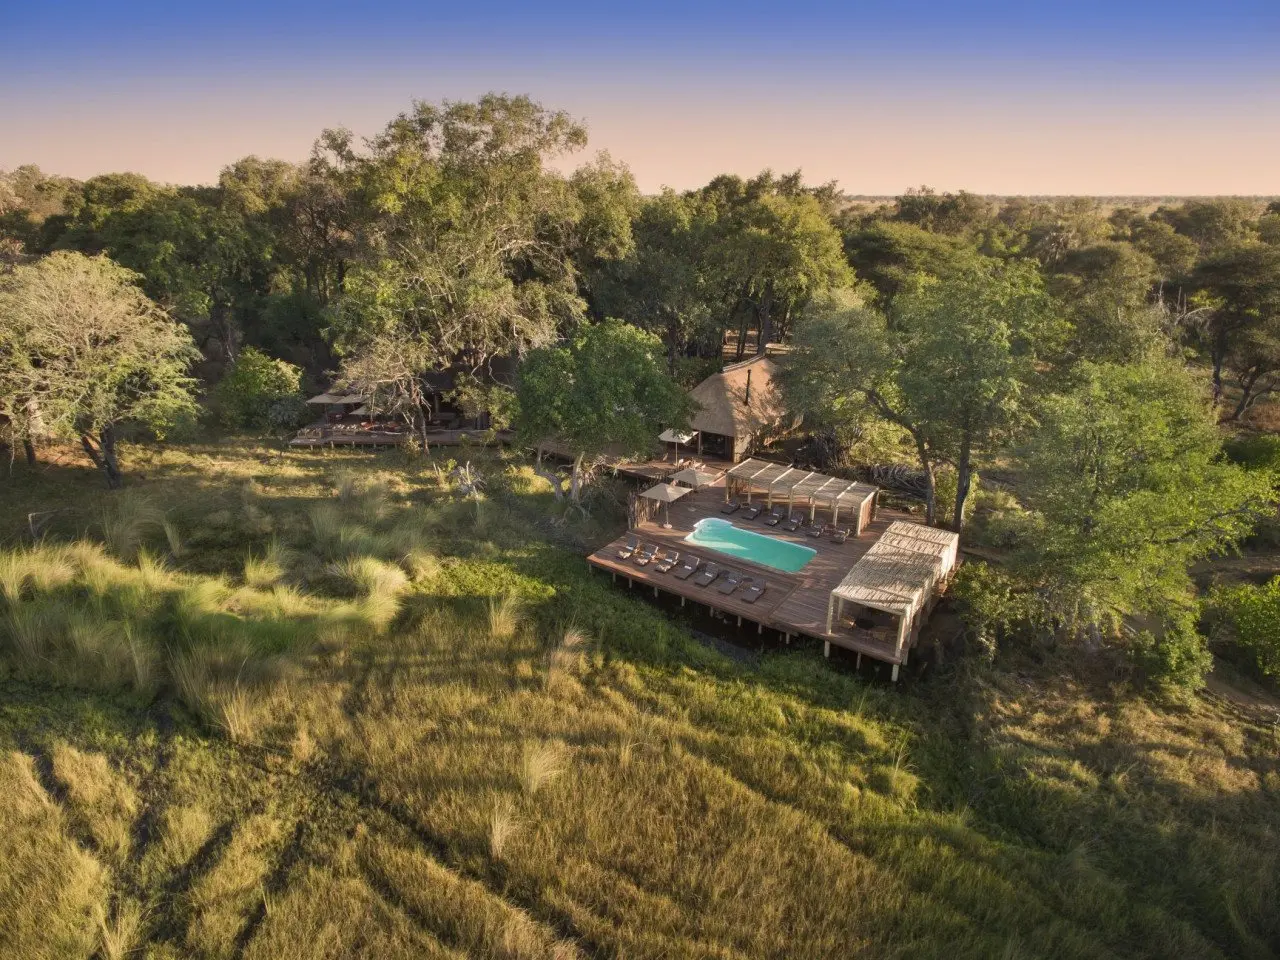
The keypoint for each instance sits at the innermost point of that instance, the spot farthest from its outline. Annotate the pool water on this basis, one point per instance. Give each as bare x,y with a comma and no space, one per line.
716,533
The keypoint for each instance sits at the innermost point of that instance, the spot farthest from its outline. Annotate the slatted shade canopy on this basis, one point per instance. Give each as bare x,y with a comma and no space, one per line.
898,574
778,480
676,436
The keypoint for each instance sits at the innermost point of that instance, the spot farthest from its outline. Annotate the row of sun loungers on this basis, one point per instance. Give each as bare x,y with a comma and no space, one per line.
777,517
687,567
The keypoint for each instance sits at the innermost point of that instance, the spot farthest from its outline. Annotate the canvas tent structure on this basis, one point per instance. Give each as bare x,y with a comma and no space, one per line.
735,407
693,478
793,484
899,576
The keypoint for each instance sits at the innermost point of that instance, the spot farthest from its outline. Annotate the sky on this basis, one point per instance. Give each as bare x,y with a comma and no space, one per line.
1126,97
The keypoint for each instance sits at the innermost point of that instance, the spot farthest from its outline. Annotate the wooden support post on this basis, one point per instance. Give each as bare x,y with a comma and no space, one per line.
613,576
826,648
630,583
859,662
655,593
786,638
894,675
682,601
760,628
739,619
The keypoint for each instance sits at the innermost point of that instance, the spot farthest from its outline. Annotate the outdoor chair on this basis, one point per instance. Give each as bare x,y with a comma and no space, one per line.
729,582
775,517
628,548
794,523
667,562
751,511
840,536
687,566
730,506
708,574
646,554
752,590
826,530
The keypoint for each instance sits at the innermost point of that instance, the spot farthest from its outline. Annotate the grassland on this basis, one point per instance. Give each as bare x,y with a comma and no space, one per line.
273,705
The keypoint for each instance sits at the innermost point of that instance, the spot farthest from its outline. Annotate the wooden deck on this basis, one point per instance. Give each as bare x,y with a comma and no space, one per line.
656,468
793,603
371,438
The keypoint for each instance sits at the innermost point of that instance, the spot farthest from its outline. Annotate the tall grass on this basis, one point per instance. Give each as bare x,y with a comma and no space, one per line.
505,617
128,520
540,764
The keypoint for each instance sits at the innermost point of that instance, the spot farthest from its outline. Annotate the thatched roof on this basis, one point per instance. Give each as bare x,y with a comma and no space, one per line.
901,569
726,408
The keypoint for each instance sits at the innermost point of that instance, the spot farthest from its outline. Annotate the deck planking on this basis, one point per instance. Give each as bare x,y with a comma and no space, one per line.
793,603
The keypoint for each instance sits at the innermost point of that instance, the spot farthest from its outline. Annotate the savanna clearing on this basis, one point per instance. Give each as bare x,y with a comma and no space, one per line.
280,705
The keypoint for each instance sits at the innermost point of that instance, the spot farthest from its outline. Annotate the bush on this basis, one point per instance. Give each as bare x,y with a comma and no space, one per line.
1177,657
257,392
1249,616
1257,452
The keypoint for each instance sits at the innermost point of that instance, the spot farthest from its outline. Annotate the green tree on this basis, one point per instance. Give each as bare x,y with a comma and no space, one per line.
1249,615
466,236
1240,307
1126,487
83,350
953,365
606,390
249,392
889,255
1215,226
1106,289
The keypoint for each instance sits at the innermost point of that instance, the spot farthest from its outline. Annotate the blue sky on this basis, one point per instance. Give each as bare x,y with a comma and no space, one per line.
1084,97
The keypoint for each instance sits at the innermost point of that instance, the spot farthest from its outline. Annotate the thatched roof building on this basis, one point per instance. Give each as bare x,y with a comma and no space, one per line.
737,405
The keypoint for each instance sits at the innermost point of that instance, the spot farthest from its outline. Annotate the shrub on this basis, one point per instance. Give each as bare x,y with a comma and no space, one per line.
1176,657
246,396
1257,452
1249,615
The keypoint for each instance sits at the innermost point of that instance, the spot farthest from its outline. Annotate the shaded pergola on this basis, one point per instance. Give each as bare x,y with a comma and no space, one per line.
778,481
899,575
677,438
666,494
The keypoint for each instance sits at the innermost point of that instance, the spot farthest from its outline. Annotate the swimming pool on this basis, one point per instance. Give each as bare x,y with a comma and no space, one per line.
716,533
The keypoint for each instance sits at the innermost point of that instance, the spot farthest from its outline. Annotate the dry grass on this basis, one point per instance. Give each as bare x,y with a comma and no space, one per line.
50,887
378,764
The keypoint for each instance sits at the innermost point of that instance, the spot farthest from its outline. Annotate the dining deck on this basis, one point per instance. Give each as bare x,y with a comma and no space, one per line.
792,604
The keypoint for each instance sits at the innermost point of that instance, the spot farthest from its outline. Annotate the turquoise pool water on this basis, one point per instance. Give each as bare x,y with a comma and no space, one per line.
716,533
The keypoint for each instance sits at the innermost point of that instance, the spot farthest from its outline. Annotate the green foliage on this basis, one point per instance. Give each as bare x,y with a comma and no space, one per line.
993,603
1126,487
249,392
890,255
607,389
1255,451
83,350
1249,615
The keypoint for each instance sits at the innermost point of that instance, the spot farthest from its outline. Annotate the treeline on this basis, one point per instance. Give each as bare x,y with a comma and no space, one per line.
1088,351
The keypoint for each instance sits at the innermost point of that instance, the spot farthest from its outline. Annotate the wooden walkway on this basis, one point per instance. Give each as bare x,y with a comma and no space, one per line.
657,468
793,603
370,438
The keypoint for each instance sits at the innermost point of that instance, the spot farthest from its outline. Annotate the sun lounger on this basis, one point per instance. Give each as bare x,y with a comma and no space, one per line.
708,574
646,554
730,506
729,582
794,523
840,536
752,590
686,568
628,548
667,562
826,530
775,517
751,511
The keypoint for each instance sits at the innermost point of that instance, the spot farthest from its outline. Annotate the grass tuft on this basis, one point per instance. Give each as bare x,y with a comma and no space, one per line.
502,827
540,764
505,617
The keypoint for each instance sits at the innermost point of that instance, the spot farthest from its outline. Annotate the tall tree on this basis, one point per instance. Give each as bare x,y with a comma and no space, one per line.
1126,487
85,350
465,235
1240,291
607,390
